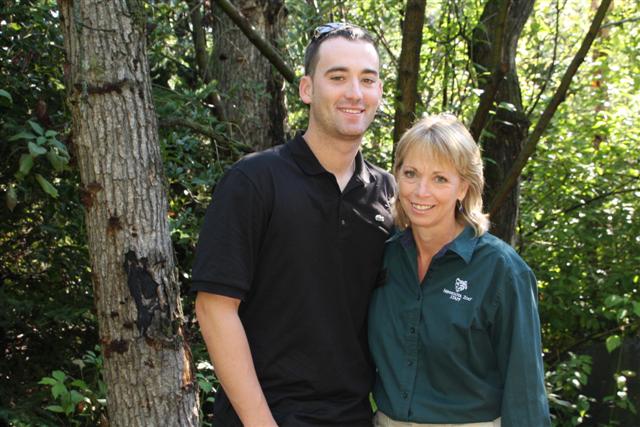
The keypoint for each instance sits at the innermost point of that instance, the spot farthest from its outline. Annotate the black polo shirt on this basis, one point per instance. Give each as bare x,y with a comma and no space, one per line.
304,258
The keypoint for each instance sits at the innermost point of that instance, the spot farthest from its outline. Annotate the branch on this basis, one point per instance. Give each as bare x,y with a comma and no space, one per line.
622,21
407,83
555,358
200,47
597,198
558,97
269,52
219,138
500,69
385,44
552,66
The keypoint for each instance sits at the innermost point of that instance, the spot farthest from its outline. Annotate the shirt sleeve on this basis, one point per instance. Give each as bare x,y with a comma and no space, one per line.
230,238
516,340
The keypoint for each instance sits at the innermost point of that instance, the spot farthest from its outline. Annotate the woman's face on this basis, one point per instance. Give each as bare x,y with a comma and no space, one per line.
428,191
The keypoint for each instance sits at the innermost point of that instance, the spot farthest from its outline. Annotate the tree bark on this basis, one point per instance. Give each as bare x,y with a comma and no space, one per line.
254,102
505,133
148,367
407,92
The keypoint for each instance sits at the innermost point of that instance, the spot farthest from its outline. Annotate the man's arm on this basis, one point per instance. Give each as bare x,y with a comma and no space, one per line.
228,348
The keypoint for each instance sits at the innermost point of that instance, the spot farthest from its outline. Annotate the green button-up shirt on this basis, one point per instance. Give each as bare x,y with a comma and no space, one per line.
463,346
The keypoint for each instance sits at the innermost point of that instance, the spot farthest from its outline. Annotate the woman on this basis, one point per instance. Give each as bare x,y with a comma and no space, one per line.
454,331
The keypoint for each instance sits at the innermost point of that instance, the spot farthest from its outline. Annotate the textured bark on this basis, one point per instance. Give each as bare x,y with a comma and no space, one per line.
407,92
147,363
254,100
510,128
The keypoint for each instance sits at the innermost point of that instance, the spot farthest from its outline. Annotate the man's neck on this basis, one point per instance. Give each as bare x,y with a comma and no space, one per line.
336,156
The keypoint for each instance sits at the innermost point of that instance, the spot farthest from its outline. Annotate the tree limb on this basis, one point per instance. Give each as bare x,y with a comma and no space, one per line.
555,357
622,21
407,84
269,52
558,97
500,69
597,198
219,138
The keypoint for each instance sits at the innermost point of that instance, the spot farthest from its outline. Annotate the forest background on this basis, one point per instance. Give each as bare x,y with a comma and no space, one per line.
551,90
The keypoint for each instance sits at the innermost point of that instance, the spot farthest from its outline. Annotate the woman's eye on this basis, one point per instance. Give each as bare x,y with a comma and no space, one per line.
441,179
409,173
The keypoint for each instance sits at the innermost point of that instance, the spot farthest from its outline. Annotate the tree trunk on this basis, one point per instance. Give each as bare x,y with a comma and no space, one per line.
254,102
148,367
409,65
505,133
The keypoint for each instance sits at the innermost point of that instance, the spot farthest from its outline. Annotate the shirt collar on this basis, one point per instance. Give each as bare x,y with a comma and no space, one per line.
463,245
310,165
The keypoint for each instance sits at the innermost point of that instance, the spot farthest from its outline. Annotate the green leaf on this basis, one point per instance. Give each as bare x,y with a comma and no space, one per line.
79,384
76,397
36,127
636,308
5,94
36,150
46,186
613,342
56,161
48,381
26,163
50,133
59,375
22,135
58,389
11,199
613,300
55,408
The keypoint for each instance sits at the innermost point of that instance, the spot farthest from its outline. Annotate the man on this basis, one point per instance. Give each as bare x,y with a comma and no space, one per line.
290,251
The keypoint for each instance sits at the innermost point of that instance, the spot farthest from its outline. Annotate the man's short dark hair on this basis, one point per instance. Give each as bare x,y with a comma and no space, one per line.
329,31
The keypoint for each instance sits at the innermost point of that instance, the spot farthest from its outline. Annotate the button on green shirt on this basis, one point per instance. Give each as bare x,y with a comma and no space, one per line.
463,346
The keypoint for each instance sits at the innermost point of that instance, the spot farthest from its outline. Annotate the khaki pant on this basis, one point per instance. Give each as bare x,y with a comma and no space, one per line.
381,420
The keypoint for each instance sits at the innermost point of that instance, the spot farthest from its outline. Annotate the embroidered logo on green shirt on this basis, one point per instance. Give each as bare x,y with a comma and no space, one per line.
460,285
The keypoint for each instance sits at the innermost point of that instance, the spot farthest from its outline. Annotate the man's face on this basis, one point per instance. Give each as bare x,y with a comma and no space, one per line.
345,90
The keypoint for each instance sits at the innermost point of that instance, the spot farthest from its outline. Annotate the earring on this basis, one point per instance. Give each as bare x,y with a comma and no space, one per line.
459,206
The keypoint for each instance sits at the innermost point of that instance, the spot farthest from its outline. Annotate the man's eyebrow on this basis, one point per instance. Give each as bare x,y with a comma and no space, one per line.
340,68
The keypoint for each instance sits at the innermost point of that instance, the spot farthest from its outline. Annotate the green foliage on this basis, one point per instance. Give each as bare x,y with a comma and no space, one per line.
77,401
564,385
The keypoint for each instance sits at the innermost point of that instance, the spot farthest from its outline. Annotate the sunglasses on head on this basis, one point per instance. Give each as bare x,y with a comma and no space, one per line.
325,29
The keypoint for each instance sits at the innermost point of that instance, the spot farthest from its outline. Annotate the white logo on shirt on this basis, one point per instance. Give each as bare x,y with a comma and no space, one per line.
460,285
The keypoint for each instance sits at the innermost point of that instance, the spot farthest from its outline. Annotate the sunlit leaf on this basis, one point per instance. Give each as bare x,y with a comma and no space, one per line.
613,342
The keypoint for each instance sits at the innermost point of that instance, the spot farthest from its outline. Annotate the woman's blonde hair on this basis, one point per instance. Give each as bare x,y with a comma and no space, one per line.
445,139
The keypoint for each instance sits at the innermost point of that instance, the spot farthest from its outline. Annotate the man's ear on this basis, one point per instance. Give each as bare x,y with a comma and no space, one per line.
305,88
